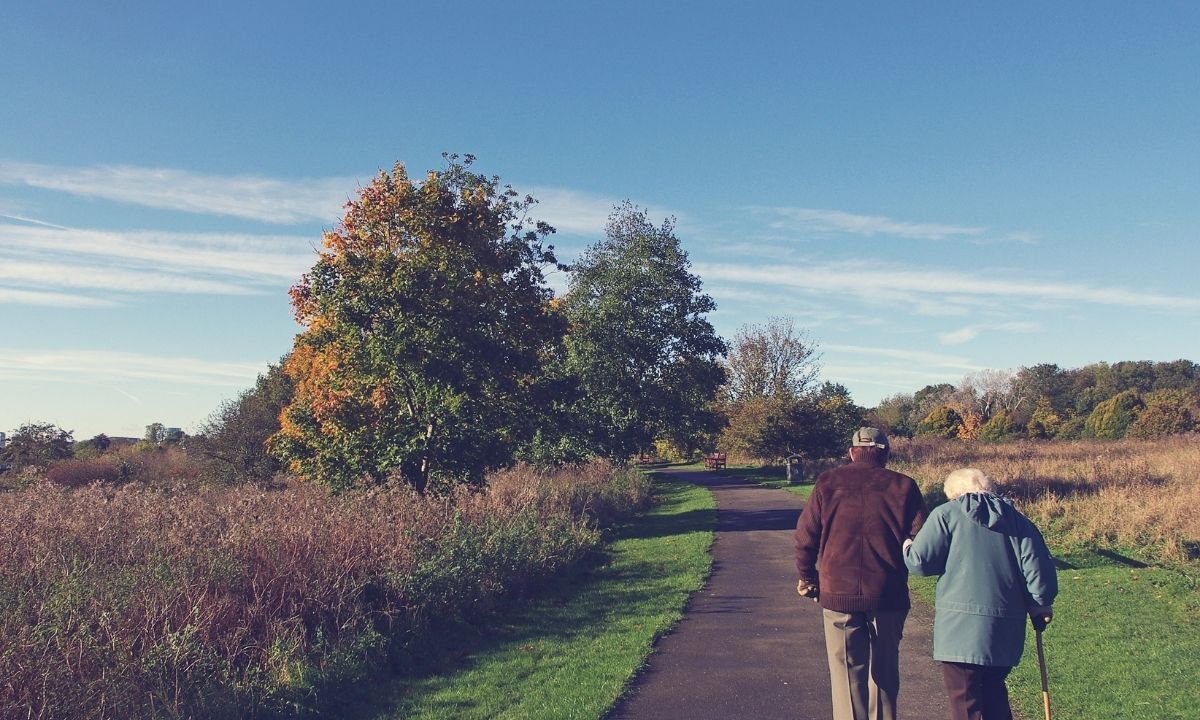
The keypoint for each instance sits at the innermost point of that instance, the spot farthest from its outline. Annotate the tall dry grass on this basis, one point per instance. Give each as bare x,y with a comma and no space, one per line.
1141,495
134,601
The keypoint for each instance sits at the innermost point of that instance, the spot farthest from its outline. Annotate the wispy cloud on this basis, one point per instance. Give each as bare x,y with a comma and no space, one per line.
104,366
938,286
814,219
40,298
573,211
892,368
971,332
270,258
41,274
914,357
264,199
36,257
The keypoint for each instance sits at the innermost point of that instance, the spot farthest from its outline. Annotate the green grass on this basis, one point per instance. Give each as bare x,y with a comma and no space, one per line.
1123,645
570,653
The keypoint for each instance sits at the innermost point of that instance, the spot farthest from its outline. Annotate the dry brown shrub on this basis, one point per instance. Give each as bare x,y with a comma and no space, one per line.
132,601
1126,494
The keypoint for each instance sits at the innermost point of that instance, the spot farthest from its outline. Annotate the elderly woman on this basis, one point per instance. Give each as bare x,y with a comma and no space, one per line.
995,569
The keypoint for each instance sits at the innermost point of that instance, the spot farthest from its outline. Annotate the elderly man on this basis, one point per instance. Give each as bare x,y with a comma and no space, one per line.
848,552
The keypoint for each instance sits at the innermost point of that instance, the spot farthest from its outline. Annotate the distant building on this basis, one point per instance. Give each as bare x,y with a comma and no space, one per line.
3,440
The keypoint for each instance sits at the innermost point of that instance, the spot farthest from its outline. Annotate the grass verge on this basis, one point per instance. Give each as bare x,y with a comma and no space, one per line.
1123,644
570,653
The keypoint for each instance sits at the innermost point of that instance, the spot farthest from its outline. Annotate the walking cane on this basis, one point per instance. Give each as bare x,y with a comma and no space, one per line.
1042,667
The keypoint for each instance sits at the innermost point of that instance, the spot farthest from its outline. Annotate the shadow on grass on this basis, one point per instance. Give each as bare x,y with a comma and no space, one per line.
562,612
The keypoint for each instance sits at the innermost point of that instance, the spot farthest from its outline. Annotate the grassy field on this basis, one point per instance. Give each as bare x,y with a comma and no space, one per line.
570,653
1121,519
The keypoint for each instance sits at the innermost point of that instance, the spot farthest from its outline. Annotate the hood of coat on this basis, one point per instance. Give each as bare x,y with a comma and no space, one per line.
990,511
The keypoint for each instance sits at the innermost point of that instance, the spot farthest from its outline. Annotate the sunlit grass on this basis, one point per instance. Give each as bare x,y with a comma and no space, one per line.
570,653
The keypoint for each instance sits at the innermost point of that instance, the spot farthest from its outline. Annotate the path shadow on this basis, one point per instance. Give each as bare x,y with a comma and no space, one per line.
744,520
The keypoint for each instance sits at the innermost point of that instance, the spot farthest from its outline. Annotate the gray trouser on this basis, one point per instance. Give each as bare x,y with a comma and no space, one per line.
864,663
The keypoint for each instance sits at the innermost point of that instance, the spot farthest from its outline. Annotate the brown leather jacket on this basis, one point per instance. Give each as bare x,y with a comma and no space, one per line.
852,529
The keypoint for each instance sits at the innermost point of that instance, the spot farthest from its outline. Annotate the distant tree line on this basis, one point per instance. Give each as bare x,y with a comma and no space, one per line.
1139,399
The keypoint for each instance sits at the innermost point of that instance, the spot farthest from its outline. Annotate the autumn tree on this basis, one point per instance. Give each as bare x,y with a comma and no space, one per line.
1166,412
425,321
640,346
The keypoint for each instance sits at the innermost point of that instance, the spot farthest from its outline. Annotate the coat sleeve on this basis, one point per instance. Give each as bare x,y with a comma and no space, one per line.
1037,565
917,510
808,538
930,548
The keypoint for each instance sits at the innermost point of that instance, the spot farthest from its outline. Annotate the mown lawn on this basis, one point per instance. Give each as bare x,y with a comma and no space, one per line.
570,653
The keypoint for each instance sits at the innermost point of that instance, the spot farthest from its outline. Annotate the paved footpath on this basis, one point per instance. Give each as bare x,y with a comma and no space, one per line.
748,645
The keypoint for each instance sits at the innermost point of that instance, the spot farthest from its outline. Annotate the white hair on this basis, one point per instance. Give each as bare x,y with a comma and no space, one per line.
967,480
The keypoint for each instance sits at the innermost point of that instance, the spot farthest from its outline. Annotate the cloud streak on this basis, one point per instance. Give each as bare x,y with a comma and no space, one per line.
870,284
814,219
36,258
105,366
250,197
266,258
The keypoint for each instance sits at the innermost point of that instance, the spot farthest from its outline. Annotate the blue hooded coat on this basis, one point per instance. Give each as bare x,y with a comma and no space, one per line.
994,567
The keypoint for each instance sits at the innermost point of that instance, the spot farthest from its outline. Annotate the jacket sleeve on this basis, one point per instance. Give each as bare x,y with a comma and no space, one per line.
1037,564
808,538
917,510
929,549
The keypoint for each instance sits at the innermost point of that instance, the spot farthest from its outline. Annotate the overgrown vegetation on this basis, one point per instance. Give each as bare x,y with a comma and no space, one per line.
135,602
1135,496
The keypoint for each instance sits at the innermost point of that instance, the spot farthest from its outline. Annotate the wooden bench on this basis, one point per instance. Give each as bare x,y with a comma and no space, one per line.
714,461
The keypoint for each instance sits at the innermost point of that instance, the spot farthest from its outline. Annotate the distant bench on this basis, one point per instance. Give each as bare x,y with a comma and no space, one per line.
714,461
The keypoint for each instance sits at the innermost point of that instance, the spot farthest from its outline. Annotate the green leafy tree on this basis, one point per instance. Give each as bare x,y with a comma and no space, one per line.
639,345
36,445
824,422
1110,420
1000,427
1177,375
426,324
943,421
233,442
155,433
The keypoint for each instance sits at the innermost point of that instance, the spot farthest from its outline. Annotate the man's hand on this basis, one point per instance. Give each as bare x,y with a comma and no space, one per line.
1040,616
808,590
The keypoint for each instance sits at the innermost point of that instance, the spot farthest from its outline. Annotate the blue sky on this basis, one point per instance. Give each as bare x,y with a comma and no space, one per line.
929,189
